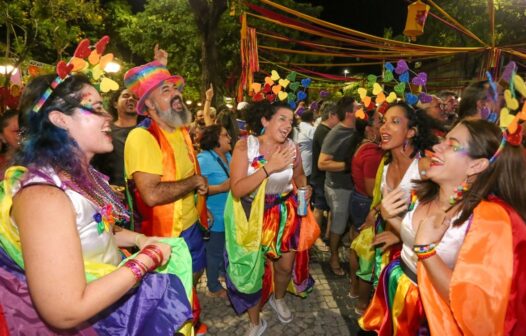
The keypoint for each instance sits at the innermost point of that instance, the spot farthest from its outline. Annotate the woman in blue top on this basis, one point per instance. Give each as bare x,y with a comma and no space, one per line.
214,161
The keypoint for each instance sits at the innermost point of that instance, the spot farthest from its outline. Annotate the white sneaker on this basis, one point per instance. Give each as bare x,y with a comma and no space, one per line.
257,330
281,309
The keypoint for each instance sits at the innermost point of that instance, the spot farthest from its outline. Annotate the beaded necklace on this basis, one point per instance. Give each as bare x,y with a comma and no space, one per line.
99,193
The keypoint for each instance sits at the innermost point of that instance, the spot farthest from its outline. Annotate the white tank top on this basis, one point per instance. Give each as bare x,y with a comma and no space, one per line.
278,182
100,248
412,173
448,248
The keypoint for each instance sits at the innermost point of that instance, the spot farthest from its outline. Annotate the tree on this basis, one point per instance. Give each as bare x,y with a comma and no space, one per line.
166,22
47,27
207,15
44,28
203,47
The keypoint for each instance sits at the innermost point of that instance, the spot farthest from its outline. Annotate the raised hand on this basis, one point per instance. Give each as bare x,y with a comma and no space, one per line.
393,203
281,159
209,94
432,229
160,55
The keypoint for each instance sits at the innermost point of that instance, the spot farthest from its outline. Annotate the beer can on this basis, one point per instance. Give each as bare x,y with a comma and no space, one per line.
302,201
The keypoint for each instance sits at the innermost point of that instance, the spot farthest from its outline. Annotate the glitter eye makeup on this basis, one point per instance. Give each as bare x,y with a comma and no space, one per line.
455,146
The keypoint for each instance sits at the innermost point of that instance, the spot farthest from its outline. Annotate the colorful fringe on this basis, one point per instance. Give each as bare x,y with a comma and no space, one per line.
273,228
396,308
159,305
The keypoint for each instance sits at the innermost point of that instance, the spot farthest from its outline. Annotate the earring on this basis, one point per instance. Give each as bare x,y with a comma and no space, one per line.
459,192
406,142
485,112
262,131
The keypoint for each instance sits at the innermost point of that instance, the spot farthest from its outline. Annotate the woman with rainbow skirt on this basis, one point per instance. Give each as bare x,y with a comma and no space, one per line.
267,241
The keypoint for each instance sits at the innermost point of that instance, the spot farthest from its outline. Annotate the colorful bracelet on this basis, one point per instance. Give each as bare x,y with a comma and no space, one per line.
134,267
425,251
424,248
157,250
153,256
154,253
142,266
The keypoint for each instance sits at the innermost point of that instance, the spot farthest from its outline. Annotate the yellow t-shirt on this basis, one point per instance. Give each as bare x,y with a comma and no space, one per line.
142,153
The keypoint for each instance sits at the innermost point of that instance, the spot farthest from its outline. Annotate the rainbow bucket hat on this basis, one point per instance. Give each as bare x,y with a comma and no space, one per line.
143,79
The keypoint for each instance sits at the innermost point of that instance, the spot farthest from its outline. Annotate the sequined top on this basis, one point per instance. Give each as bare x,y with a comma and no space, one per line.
97,246
278,182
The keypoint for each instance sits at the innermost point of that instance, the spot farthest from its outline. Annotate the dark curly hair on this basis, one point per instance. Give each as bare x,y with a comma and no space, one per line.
210,137
262,109
424,137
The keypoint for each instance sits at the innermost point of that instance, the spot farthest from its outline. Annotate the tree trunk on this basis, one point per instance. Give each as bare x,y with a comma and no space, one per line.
210,63
207,16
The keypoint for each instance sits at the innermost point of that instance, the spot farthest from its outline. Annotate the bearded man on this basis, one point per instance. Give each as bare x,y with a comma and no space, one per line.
160,162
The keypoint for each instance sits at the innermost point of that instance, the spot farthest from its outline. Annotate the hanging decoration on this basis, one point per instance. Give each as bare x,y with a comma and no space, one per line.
276,88
416,19
374,93
510,116
249,57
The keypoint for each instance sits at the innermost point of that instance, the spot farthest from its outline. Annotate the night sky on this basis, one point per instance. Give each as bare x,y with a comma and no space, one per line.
370,16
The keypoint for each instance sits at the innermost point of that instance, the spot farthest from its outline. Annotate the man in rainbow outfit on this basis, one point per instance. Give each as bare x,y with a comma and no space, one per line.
160,163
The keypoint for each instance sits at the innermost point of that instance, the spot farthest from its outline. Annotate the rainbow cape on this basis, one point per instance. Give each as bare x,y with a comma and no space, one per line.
246,258
487,295
251,244
160,305
371,259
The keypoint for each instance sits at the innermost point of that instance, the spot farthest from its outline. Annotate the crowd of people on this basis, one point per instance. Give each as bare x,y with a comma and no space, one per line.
111,213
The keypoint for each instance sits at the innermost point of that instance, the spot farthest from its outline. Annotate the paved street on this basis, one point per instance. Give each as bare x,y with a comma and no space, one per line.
326,311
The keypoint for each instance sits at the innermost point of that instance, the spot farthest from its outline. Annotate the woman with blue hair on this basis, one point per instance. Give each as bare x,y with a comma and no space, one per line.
60,239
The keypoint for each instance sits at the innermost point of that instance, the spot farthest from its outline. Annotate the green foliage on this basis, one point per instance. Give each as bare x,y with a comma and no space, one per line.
169,23
510,23
47,28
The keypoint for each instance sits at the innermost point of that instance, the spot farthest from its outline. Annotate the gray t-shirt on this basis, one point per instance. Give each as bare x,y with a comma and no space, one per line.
337,144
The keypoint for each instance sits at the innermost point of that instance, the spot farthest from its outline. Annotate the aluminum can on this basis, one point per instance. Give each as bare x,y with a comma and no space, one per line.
302,201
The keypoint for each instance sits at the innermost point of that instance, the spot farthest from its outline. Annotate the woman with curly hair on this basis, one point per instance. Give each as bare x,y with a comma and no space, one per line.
462,239
214,161
267,241
404,135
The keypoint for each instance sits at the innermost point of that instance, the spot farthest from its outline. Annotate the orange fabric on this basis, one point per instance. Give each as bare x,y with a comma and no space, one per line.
481,280
159,220
310,231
